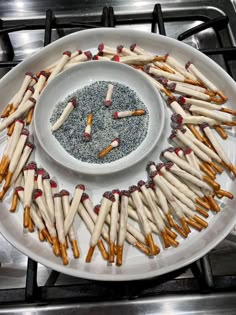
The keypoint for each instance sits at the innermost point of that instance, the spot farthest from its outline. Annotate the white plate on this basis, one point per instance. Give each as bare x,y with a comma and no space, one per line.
136,266
85,74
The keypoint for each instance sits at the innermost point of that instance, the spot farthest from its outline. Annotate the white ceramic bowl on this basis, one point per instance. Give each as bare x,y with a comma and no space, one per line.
85,74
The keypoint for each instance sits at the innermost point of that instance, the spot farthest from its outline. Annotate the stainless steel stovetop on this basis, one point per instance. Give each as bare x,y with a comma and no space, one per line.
181,16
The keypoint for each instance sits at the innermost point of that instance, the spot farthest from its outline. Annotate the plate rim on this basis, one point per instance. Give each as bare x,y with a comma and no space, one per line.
150,274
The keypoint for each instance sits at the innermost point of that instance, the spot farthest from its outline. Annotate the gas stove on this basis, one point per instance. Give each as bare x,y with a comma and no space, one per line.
25,286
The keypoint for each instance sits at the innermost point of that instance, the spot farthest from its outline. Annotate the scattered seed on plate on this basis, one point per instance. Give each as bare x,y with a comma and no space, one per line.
90,99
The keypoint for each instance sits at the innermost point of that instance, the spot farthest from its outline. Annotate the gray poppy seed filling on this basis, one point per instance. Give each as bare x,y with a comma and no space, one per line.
91,99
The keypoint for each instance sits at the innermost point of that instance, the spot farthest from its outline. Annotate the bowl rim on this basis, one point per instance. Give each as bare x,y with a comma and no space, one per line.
100,169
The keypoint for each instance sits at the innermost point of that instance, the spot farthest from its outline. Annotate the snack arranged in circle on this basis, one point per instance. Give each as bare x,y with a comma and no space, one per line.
180,191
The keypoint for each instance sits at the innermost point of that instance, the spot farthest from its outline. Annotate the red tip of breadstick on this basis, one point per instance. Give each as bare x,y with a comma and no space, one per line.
53,183
177,150
177,118
32,166
19,188
109,195
141,183
116,191
166,56
188,64
35,177
44,73
86,137
96,57
181,100
125,193
163,81
173,134
30,74
172,87
73,101
88,54
56,195
25,132
204,125
188,151
100,47
84,197
97,209
170,149
64,193
33,100
35,79
30,145
116,58
79,51
31,89
20,121
37,193
153,174
133,46
159,166
115,115
68,53
41,171
149,164
80,186
45,176
151,184
133,188
108,103
168,165
119,48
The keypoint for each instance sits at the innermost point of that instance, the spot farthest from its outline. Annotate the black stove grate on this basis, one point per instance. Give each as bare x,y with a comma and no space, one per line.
203,280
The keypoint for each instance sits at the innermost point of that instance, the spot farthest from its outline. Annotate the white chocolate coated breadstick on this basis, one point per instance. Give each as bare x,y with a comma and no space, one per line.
21,92
48,195
183,164
79,189
123,218
24,157
65,114
61,63
18,113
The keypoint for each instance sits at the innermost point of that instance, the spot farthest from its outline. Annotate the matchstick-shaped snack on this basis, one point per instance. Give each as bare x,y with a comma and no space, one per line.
179,120
18,113
217,146
37,196
108,99
192,68
154,250
114,224
28,191
79,189
114,144
14,161
127,113
90,226
65,114
48,195
72,234
88,129
35,217
60,227
61,63
107,200
10,147
123,219
125,51
23,159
